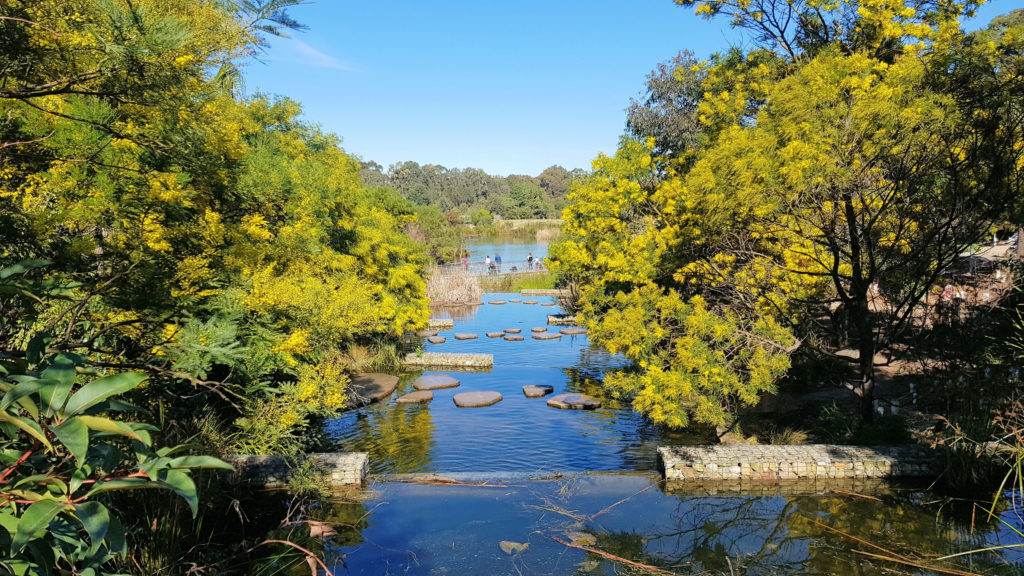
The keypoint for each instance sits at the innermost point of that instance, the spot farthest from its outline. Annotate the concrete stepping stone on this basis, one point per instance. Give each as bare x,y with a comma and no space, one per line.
435,382
496,302
477,399
417,397
495,334
548,303
546,336
529,301
364,389
573,331
513,337
539,329
465,336
574,401
436,339
441,323
515,300
426,333
537,391
513,330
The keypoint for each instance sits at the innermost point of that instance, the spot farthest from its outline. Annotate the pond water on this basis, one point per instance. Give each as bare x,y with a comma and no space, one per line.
518,434
401,528
531,456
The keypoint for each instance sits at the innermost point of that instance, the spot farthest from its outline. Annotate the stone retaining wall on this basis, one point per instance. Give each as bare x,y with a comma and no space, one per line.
809,462
449,360
343,469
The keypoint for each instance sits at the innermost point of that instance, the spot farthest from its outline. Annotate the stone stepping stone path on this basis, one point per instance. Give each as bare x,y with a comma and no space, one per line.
441,323
573,331
546,336
426,333
539,329
537,391
574,401
529,301
515,300
476,399
513,337
496,302
465,336
435,382
513,330
548,303
364,389
561,319
417,397
495,334
436,339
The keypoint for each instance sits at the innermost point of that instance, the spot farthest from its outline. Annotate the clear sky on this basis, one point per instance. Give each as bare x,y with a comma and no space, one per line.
507,86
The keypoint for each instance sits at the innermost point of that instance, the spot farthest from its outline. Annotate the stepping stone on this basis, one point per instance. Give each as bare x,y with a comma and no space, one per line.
417,397
365,389
476,399
436,339
573,331
548,303
495,334
426,333
546,336
539,329
574,402
561,319
465,336
441,323
435,382
529,301
537,391
515,300
513,337
513,330
496,302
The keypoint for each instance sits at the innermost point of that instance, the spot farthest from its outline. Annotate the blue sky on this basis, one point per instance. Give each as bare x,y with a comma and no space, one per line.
507,86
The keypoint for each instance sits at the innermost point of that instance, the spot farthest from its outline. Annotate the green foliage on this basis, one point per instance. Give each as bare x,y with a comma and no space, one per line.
61,449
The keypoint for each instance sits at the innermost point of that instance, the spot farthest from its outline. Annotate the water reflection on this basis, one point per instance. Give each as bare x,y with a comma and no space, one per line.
518,434
419,529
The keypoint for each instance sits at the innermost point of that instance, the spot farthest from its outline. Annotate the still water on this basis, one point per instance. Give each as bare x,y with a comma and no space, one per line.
518,434
530,457
451,530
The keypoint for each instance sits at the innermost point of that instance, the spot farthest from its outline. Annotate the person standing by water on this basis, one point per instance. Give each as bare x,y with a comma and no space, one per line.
497,261
529,261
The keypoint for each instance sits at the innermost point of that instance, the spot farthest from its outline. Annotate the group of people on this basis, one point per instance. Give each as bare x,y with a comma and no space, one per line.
494,267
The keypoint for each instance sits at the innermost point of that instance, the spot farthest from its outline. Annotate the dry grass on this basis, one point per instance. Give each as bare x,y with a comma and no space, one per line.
547,234
452,286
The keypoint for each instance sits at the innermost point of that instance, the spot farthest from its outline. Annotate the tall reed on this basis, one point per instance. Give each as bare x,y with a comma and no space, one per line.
452,285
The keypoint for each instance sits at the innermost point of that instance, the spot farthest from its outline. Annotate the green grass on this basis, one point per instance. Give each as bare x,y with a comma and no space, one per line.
517,282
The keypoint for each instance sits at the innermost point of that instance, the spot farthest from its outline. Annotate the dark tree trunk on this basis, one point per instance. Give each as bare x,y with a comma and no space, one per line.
866,386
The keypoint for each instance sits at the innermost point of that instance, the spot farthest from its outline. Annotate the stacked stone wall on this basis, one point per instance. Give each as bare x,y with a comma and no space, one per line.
341,469
807,462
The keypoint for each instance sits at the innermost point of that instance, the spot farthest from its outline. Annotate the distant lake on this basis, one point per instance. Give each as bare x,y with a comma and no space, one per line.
513,252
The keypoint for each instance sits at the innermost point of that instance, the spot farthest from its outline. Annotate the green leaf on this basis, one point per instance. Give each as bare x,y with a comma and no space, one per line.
29,426
34,521
74,434
22,267
95,518
99,390
62,373
199,462
37,347
27,385
121,484
101,424
183,486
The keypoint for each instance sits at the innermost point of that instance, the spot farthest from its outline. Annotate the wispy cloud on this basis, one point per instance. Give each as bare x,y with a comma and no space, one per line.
306,54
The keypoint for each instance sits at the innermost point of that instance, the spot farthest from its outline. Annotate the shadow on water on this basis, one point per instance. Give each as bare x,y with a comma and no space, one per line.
406,528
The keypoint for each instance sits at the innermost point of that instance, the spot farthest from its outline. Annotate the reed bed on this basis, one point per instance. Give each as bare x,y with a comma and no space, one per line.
452,285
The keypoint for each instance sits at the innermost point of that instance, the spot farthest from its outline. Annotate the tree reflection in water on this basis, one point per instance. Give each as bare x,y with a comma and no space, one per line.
420,529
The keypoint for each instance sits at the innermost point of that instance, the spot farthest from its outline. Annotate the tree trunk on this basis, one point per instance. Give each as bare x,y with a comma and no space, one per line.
865,389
